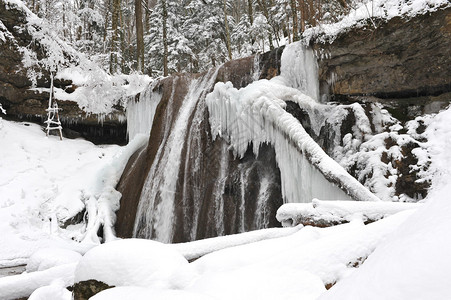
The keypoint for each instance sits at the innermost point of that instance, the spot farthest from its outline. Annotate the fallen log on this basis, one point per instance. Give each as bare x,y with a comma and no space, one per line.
330,213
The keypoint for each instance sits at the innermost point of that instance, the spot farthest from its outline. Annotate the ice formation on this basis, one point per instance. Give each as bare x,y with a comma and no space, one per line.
255,114
140,113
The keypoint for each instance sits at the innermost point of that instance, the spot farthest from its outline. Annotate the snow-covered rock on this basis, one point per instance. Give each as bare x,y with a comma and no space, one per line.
133,262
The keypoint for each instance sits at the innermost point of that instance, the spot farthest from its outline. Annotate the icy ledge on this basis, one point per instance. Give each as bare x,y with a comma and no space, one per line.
256,115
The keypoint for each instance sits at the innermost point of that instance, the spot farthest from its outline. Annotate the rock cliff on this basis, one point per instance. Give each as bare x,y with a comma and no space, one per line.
404,64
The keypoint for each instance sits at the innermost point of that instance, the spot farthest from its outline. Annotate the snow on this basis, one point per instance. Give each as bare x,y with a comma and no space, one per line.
23,285
45,181
134,262
310,256
413,263
55,291
47,258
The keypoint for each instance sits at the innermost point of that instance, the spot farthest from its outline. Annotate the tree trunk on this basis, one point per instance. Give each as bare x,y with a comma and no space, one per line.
303,15
294,15
227,31
250,11
312,13
115,37
124,55
165,38
264,8
139,37
147,17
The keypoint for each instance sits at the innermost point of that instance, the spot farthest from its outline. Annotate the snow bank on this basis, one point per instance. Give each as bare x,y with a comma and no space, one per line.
132,262
413,263
304,262
45,181
23,285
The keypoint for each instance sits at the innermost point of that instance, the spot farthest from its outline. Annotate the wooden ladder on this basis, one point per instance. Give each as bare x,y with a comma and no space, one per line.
53,119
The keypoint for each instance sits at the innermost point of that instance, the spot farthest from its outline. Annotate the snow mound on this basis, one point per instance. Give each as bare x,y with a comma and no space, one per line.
47,258
134,262
413,263
54,291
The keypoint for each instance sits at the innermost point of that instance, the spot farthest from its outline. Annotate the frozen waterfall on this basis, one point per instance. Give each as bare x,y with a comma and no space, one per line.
157,202
256,115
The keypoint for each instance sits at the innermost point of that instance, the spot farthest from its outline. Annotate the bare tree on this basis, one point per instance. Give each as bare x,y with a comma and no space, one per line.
165,38
227,31
139,37
115,36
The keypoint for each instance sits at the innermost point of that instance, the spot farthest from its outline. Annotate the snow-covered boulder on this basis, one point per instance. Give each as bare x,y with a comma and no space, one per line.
47,258
130,262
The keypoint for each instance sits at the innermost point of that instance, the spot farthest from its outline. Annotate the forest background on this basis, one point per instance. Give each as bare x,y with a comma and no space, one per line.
161,37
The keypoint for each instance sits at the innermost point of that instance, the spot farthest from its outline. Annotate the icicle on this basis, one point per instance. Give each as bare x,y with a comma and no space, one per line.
140,113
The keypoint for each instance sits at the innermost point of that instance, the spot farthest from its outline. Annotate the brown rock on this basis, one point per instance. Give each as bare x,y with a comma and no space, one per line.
86,289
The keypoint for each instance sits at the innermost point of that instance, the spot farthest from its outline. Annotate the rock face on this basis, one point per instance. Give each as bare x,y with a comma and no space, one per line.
23,103
397,60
